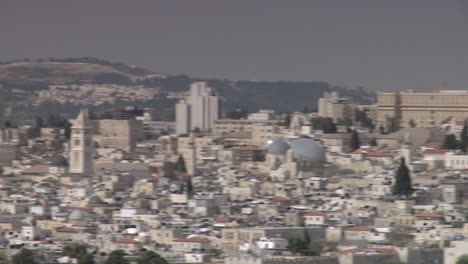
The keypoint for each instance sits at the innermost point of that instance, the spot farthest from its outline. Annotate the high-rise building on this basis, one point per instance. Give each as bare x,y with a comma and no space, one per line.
409,108
182,117
201,109
338,109
81,145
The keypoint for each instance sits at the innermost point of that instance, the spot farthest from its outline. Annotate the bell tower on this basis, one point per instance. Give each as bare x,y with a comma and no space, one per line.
81,145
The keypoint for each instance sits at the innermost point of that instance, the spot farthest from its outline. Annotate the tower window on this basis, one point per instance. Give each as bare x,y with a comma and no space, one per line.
76,142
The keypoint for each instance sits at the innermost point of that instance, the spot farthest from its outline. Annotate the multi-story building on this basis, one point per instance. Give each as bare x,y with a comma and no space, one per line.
421,109
338,109
240,125
201,109
182,117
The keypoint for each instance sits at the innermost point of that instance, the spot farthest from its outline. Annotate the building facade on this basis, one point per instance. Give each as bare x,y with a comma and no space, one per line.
81,145
421,109
338,109
200,111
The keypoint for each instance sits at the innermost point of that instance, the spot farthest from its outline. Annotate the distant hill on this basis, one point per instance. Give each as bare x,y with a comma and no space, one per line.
281,96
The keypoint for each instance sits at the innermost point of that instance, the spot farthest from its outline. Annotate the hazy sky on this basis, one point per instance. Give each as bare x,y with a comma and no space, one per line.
378,44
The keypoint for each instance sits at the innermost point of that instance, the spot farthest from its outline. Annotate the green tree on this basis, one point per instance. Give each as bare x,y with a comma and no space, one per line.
382,129
355,142
297,245
399,239
189,187
116,257
464,137
75,250
362,119
151,257
463,259
392,124
87,259
67,129
169,169
24,256
323,123
403,180
287,120
180,164
450,142
315,248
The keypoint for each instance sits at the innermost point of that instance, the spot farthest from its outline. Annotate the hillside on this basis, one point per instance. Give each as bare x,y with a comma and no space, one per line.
34,76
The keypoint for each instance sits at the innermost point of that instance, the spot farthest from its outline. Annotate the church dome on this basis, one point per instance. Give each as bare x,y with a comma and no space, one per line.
307,150
95,200
58,161
76,215
278,147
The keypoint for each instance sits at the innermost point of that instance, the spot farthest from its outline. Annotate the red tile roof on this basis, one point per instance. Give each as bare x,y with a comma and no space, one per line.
436,151
316,214
359,228
429,215
280,199
67,230
127,241
192,240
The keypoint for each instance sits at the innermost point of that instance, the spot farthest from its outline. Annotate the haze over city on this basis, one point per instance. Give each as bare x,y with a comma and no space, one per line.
380,45
234,132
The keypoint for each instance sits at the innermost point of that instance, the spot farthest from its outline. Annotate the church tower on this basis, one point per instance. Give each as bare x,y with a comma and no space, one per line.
81,145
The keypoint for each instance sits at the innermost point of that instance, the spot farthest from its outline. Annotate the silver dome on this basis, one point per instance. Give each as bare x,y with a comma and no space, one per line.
278,147
307,150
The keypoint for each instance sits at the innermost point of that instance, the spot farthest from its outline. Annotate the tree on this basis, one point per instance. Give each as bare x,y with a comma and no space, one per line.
399,239
392,124
24,256
323,123
67,129
450,142
180,164
315,248
116,257
296,245
75,250
463,259
189,187
464,137
355,142
151,257
403,180
363,120
169,169
287,120
382,129
87,259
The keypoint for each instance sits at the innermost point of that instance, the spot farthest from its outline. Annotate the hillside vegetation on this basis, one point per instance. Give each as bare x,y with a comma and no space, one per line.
281,96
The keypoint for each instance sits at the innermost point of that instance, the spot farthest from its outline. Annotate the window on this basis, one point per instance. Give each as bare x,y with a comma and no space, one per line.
76,142
76,158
